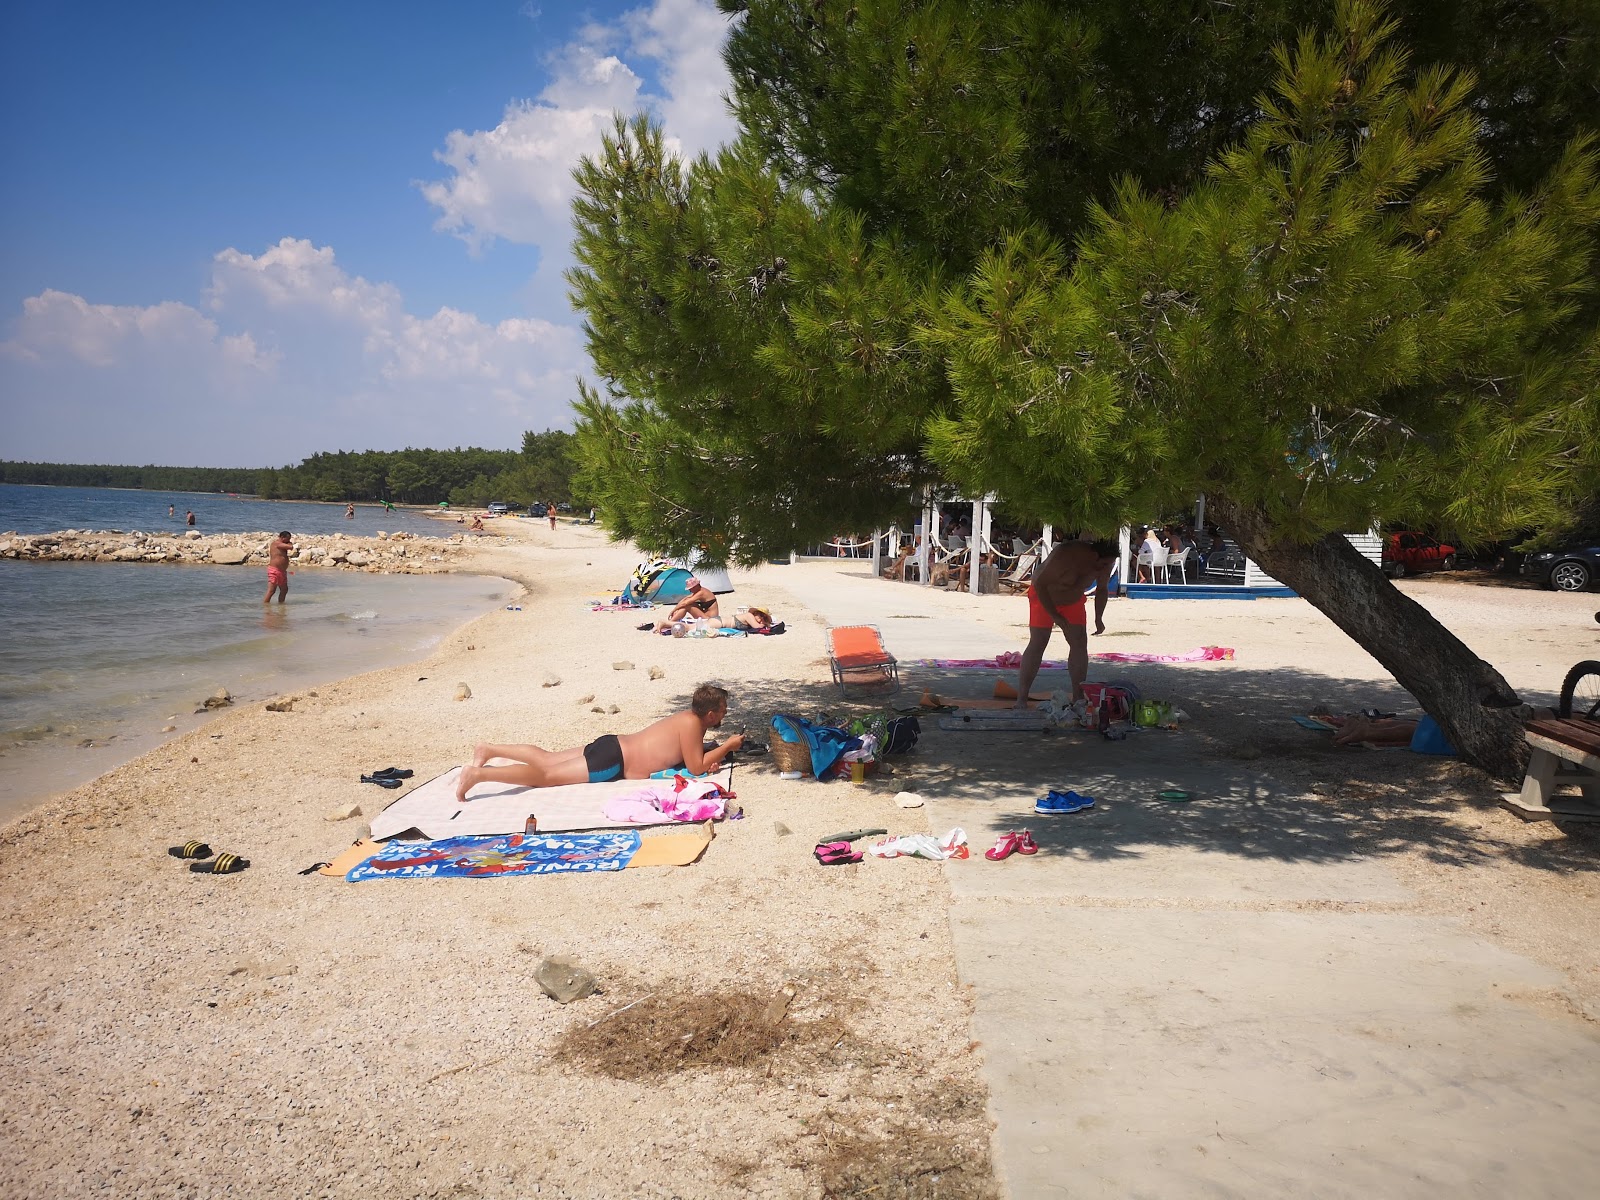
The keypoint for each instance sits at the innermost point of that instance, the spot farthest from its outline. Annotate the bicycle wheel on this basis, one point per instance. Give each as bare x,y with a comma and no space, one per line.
1580,692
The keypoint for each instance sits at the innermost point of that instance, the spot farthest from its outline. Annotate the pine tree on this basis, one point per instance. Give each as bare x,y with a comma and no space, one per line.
925,259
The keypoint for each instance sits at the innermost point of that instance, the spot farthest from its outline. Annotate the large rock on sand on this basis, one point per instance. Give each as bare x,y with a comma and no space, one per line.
229,556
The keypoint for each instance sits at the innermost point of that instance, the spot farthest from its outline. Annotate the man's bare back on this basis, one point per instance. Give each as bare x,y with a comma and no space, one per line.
679,738
669,742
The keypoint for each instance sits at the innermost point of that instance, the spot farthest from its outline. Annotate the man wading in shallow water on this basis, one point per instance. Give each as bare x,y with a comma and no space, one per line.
671,742
278,568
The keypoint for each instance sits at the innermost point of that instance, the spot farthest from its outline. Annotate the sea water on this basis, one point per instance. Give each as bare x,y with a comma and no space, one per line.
25,508
96,658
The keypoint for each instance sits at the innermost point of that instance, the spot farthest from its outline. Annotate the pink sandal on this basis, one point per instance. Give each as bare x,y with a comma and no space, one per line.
1012,843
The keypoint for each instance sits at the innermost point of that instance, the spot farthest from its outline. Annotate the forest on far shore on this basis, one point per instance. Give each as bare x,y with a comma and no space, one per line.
541,470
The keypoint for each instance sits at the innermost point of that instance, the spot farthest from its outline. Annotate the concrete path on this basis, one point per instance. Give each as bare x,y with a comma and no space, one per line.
1220,998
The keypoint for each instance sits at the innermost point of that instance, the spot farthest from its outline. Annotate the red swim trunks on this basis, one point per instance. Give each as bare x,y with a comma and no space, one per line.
277,577
1039,617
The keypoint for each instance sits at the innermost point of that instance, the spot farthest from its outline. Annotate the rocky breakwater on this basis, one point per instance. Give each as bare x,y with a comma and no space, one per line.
386,553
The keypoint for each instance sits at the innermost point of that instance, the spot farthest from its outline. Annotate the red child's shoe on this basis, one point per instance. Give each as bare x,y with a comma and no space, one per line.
1007,845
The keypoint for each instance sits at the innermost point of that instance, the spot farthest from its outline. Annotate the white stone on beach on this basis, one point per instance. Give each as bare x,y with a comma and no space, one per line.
218,699
192,534
552,681
357,559
463,692
622,666
229,556
565,981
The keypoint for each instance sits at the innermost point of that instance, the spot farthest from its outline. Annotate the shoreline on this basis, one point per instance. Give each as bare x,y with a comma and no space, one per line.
314,1036
127,750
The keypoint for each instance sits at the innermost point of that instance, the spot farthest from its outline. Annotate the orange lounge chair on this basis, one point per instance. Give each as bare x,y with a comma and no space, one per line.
857,656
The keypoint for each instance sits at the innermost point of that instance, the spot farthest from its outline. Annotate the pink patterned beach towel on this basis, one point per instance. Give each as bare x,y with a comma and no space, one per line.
1012,659
1203,654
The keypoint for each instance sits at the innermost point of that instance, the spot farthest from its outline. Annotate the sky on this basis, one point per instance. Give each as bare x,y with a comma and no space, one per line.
238,235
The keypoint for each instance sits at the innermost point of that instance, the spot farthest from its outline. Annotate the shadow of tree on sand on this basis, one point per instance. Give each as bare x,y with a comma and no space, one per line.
1262,786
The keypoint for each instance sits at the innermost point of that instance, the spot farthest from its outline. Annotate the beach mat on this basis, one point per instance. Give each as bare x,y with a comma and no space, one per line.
500,808
508,856
993,722
1004,689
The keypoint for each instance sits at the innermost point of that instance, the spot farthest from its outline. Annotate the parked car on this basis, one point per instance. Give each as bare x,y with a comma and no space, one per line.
537,509
1407,553
1567,570
563,506
499,506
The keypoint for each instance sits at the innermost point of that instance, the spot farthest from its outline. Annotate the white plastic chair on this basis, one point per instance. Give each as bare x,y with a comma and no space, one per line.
1154,557
1178,562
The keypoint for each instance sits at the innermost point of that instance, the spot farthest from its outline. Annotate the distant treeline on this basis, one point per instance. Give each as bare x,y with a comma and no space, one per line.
541,470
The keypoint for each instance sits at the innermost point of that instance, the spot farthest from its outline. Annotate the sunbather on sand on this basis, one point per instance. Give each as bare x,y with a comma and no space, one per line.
746,618
671,742
700,602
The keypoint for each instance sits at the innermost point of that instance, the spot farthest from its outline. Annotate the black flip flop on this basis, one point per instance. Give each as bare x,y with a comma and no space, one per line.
223,864
190,850
382,781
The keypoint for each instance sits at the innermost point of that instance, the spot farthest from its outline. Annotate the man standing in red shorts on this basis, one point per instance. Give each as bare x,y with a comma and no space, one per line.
278,567
1055,597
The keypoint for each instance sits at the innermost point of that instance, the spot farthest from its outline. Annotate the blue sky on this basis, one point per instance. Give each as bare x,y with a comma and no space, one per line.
236,236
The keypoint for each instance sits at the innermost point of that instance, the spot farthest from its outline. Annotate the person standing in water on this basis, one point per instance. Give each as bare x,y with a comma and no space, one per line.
172,510
188,518
278,568
350,511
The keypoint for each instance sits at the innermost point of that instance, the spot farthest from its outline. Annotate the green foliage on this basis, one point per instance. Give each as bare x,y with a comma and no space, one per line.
776,347
1333,327
470,476
1098,257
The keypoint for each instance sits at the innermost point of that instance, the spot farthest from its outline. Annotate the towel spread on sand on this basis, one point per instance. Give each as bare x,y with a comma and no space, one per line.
1012,659
501,808
677,799
496,857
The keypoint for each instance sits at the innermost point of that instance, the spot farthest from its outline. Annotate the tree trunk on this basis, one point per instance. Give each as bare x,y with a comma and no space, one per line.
1470,699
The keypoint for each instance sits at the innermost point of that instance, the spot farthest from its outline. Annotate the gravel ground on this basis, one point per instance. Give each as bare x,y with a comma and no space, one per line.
276,1034
273,1034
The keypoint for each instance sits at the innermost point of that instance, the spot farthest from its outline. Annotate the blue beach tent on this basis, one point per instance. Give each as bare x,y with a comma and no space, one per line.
657,582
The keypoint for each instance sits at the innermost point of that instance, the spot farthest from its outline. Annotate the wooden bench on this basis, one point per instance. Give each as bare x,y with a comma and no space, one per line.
1564,752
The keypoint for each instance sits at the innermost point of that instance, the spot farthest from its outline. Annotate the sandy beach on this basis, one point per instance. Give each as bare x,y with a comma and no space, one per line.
276,1034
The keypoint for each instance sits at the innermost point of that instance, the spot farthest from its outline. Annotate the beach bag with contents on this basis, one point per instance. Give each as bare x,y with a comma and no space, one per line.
901,735
1150,713
1118,701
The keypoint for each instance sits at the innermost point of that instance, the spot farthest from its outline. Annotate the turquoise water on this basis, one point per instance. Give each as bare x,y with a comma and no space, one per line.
109,653
29,509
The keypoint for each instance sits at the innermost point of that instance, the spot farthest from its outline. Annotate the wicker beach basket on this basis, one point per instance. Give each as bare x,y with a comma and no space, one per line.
791,756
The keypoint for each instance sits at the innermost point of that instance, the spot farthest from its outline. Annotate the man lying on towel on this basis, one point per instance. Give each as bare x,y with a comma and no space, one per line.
675,741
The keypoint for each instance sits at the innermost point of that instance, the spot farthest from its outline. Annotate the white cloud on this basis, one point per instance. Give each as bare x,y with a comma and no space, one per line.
297,355
515,181
58,325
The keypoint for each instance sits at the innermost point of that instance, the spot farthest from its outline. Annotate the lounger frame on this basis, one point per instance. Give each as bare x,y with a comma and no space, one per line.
858,663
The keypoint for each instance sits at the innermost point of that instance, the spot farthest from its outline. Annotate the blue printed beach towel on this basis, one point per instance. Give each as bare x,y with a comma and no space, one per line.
498,857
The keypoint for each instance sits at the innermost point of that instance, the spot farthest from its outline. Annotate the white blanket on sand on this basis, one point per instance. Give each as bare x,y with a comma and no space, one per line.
432,809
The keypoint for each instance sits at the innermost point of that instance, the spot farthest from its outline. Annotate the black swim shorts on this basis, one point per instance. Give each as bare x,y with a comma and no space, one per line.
603,757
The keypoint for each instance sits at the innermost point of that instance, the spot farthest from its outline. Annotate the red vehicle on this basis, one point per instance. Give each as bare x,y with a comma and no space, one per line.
1407,553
